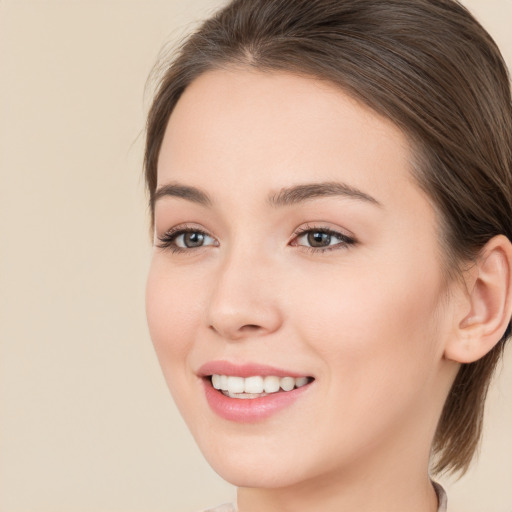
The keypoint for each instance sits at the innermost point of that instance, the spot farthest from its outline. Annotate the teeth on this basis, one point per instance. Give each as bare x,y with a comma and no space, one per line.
287,383
255,386
236,384
271,384
302,381
216,381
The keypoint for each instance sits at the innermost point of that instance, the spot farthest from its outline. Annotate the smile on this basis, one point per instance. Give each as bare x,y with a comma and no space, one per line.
256,386
251,392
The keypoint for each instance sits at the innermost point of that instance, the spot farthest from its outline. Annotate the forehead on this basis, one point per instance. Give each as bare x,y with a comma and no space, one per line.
246,127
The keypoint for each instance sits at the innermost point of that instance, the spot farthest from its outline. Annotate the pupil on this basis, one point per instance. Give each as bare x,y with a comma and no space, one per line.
194,239
319,239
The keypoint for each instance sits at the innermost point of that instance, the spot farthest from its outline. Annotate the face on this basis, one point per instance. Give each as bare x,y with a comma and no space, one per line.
295,252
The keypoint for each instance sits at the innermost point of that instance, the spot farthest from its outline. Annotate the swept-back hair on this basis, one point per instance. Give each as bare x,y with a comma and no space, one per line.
428,66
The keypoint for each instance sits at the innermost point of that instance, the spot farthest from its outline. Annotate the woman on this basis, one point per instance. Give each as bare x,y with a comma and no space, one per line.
330,290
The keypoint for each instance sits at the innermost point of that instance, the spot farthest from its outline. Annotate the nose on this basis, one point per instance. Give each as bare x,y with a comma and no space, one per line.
244,301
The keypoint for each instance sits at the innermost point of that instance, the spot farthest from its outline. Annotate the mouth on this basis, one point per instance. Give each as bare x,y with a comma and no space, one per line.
256,386
251,392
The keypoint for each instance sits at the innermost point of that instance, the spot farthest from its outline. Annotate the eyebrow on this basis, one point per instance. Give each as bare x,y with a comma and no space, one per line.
300,193
182,191
285,197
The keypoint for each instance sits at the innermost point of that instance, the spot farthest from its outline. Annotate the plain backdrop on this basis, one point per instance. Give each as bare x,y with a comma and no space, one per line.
86,421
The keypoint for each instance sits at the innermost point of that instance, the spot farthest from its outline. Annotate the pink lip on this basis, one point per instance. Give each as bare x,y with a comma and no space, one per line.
247,410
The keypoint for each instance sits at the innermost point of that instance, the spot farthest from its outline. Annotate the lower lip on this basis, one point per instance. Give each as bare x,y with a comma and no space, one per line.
247,410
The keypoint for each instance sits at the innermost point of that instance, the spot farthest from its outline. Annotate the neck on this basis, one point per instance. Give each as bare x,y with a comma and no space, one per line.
344,495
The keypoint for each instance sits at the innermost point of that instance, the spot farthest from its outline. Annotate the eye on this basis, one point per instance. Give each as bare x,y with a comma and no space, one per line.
321,239
185,239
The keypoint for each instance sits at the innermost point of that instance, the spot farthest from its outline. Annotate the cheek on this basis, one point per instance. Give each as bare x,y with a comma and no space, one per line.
376,338
171,310
377,332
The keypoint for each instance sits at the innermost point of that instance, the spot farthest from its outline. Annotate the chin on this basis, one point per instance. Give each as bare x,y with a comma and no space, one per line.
256,467
247,474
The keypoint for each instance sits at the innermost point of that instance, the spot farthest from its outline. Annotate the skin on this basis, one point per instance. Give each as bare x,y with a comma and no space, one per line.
369,320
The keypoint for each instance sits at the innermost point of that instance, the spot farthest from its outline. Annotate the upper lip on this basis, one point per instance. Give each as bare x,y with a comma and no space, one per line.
245,370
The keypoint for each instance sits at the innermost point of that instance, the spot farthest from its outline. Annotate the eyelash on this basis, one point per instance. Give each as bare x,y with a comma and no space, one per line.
166,241
168,238
344,240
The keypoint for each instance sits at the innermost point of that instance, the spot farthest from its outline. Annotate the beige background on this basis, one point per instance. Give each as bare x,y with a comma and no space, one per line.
86,422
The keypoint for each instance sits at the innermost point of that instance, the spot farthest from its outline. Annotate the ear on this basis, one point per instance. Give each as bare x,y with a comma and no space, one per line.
486,309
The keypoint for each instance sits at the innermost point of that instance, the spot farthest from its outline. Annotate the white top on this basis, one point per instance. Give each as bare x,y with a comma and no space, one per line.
441,498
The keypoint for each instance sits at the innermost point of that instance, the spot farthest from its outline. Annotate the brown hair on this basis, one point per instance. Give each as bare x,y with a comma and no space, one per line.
428,66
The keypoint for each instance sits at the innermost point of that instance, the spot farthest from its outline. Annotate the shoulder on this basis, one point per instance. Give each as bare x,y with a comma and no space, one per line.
441,496
226,507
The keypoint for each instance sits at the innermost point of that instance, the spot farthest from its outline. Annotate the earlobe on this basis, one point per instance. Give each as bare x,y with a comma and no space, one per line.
489,300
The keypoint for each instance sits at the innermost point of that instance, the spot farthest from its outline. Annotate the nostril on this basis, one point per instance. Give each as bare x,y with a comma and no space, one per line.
231,333
250,327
